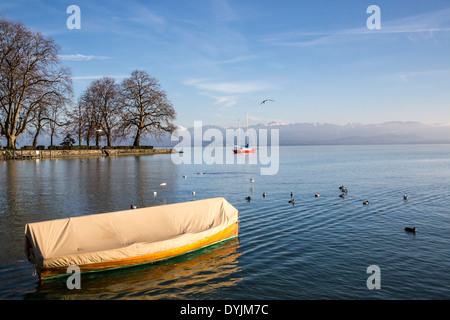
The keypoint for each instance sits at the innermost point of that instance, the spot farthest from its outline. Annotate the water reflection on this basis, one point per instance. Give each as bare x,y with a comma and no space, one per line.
194,275
32,191
322,247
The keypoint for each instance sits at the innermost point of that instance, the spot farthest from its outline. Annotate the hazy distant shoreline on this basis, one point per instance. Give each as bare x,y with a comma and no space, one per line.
305,134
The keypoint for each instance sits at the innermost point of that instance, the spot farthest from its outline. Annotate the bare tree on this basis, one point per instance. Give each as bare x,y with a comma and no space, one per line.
77,121
146,107
38,123
89,116
101,101
49,114
31,76
56,120
84,119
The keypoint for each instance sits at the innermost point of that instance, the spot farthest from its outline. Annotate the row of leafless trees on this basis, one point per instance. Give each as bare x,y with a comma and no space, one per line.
36,95
114,111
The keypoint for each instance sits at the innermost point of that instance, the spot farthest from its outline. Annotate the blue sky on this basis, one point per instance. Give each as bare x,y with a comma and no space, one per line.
218,59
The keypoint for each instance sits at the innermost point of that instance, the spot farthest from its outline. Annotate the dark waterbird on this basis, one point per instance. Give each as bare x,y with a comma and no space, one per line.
264,194
248,198
366,203
411,230
264,102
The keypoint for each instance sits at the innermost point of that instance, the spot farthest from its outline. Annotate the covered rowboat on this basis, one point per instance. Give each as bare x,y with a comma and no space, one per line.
126,238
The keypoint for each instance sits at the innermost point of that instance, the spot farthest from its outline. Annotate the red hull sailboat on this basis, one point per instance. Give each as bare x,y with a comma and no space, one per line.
246,148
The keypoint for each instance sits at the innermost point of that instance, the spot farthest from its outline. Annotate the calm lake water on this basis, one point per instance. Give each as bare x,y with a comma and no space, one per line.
319,248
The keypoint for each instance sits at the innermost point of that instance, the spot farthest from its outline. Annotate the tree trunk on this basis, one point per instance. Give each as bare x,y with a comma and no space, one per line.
137,138
36,137
88,139
51,137
80,136
11,141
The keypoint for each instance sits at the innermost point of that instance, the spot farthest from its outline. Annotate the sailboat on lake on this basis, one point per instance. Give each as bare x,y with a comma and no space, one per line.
246,148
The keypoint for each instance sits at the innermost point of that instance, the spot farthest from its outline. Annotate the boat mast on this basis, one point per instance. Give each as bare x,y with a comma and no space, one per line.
247,140
239,133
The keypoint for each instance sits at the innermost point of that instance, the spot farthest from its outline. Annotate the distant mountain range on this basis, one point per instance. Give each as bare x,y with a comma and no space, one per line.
395,132
291,134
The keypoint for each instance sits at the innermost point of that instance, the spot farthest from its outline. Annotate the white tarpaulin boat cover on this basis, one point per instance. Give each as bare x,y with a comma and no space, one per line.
124,234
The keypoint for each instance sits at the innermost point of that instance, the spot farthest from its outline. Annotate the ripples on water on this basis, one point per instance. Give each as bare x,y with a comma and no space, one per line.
318,248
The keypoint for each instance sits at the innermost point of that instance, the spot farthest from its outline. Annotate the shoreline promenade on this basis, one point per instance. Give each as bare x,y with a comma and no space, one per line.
22,154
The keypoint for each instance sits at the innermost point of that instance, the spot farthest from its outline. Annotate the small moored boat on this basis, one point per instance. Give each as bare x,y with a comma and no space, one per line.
246,148
125,238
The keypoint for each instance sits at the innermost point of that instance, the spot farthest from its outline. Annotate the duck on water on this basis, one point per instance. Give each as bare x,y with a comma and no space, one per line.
411,230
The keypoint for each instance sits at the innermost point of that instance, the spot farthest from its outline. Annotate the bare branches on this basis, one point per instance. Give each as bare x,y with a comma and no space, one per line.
146,106
99,107
137,106
31,78
35,90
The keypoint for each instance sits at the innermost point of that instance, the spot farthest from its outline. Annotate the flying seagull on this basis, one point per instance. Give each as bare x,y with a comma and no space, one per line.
264,101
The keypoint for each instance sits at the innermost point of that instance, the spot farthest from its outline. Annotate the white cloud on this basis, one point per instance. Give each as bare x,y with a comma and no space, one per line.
237,59
419,26
226,94
229,87
227,101
80,57
442,74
